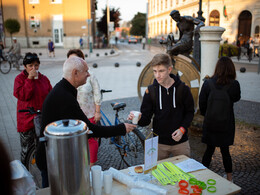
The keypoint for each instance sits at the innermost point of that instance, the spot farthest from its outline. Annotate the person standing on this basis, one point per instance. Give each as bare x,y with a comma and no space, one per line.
143,42
214,135
171,103
61,103
51,48
30,88
81,42
1,50
89,98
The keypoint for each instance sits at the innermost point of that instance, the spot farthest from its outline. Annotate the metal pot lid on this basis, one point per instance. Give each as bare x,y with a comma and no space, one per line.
66,127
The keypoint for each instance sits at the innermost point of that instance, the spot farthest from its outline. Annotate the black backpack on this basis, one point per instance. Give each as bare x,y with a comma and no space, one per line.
217,115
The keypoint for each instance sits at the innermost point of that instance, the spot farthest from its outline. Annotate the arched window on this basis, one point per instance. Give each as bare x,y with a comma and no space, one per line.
214,18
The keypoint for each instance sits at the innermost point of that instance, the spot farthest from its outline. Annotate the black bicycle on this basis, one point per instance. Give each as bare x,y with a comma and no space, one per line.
30,161
130,146
9,62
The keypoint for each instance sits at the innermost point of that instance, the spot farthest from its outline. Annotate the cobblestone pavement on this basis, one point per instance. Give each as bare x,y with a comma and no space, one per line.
244,152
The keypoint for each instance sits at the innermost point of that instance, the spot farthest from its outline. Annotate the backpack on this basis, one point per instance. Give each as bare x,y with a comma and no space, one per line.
152,91
217,115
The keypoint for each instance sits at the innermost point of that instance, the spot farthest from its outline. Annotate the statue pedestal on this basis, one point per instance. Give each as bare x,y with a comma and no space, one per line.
210,37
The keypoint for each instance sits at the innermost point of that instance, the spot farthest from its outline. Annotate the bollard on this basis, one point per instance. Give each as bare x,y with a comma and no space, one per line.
86,55
95,65
97,54
243,69
116,64
138,64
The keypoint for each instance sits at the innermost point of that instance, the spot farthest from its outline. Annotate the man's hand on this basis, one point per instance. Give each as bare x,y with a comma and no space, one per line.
177,135
129,127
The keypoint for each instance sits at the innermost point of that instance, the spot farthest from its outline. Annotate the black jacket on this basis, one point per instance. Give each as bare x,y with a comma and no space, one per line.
173,115
61,103
225,138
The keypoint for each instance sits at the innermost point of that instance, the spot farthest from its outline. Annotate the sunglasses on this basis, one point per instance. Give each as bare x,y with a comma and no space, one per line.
31,57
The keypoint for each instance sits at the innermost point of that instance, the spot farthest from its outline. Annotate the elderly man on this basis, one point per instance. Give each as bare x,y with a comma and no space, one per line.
15,49
61,103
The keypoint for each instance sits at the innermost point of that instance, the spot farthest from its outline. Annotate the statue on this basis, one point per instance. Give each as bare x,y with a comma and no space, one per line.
186,28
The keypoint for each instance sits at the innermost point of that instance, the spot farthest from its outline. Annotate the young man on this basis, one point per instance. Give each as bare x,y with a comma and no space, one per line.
171,103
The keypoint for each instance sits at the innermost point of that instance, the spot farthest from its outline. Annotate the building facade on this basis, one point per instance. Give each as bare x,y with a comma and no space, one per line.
63,21
240,18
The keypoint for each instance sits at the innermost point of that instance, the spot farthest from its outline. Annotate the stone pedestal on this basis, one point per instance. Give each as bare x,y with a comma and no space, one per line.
210,37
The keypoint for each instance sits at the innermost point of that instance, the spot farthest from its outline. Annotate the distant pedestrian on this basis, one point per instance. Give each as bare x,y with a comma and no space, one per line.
81,42
215,133
256,46
149,43
51,48
143,42
116,40
1,50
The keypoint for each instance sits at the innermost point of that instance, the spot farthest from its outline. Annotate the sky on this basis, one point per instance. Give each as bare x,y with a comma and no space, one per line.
128,8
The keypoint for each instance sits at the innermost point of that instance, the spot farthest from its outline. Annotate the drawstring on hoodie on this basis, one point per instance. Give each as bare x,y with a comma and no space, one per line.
173,97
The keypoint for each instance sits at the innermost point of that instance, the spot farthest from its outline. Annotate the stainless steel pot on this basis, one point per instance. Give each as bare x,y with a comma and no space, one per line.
68,157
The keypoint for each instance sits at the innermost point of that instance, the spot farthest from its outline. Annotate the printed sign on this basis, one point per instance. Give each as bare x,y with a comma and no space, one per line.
151,153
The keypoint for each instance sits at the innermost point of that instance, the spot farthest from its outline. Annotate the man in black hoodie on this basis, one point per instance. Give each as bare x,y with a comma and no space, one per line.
171,103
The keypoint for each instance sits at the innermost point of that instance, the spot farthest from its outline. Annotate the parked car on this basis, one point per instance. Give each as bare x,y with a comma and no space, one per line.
132,40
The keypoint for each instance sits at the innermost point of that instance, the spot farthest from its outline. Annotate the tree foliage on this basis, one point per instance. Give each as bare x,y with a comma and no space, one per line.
12,26
138,24
114,17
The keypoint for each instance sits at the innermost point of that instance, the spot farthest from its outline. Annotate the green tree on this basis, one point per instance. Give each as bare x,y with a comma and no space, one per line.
12,26
124,33
114,17
138,24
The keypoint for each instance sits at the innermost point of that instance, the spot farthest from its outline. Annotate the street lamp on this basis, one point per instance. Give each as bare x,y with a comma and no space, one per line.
89,39
200,12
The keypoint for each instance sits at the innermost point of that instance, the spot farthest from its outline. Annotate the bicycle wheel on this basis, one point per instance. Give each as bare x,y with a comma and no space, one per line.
131,148
32,167
5,67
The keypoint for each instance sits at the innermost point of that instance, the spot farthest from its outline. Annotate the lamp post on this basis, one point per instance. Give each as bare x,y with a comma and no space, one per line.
89,39
197,47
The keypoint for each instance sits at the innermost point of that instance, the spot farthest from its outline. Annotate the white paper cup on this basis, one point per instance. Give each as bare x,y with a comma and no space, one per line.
36,77
136,116
96,179
107,177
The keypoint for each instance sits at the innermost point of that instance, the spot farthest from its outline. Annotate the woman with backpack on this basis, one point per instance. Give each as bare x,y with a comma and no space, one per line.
216,101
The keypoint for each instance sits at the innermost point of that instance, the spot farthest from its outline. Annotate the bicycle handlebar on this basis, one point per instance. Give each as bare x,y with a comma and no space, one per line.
31,110
105,91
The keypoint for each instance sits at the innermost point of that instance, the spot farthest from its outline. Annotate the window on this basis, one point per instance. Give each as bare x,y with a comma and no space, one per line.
56,1
161,5
214,18
166,26
34,21
33,1
166,4
171,3
161,29
158,28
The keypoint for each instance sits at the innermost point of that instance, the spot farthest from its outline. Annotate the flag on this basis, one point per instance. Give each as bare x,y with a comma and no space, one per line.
225,11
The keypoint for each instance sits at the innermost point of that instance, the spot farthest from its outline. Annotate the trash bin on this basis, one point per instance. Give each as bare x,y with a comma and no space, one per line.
68,157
